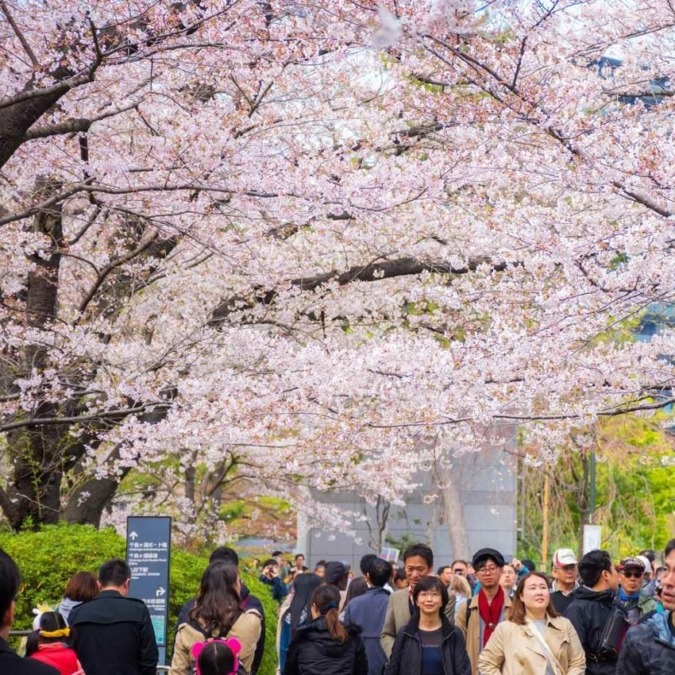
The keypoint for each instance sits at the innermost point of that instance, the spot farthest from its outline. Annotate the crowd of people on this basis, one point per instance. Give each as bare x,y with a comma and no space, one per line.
486,616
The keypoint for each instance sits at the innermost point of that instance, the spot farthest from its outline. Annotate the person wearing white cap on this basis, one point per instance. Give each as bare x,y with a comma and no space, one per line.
564,572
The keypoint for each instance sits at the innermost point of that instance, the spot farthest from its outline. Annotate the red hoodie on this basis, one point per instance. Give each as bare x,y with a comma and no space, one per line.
60,657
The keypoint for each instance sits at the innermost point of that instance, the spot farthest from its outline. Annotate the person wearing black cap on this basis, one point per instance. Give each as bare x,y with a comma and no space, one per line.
478,618
631,597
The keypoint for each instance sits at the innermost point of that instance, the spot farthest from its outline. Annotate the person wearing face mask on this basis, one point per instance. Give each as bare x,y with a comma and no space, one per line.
533,640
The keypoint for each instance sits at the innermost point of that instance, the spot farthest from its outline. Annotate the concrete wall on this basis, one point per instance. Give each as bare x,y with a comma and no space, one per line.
487,487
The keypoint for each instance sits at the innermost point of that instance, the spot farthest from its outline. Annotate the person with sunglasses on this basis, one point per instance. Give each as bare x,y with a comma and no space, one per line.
635,602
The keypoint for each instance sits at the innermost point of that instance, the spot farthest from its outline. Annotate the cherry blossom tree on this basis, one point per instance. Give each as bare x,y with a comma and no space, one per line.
321,245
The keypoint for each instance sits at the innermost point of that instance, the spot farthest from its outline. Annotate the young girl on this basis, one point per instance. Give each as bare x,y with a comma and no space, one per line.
48,644
217,657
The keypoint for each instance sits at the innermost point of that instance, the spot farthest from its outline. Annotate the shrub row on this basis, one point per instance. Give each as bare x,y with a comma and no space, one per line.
49,557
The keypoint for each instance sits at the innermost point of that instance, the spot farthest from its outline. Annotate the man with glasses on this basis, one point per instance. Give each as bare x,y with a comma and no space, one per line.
564,573
478,618
10,662
418,562
635,602
649,648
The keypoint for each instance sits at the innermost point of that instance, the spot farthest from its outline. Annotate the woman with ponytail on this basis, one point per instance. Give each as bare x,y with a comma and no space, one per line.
324,645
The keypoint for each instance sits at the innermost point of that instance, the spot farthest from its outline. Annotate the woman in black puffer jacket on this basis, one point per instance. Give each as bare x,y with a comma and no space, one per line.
324,646
428,644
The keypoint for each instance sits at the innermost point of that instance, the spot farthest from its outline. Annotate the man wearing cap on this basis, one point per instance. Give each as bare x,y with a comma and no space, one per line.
478,617
418,562
649,648
636,604
564,572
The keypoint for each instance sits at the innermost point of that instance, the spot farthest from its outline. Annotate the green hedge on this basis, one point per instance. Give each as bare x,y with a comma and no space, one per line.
49,557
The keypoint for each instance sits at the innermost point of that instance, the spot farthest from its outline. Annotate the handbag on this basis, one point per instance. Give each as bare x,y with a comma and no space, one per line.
613,635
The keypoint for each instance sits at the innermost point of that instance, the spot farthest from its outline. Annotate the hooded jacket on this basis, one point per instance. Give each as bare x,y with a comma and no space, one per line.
313,652
406,656
589,613
649,648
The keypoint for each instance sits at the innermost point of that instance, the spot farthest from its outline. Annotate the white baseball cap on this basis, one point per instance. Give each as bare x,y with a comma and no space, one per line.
563,557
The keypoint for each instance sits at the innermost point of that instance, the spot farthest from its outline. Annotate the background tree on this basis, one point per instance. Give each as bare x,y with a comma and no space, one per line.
320,240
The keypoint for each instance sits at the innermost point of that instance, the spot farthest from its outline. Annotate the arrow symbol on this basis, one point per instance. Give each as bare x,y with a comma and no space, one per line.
160,591
133,536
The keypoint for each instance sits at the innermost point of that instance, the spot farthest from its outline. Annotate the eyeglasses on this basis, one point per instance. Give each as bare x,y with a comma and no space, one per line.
429,595
632,575
491,569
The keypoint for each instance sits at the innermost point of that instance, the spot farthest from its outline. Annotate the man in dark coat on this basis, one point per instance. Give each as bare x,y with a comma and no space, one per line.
591,608
113,634
10,662
649,648
367,611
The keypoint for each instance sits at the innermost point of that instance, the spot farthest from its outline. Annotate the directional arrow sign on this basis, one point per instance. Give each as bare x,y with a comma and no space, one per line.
148,548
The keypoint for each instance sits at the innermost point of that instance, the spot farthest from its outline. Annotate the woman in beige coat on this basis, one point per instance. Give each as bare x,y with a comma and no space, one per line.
217,614
534,640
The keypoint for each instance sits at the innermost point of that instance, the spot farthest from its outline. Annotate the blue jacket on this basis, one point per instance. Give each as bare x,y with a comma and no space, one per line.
367,611
649,648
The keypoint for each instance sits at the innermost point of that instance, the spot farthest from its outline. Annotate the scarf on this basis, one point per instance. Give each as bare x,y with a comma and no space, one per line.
490,613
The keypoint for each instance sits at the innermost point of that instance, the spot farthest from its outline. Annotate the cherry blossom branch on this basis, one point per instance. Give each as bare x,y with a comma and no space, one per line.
19,34
115,415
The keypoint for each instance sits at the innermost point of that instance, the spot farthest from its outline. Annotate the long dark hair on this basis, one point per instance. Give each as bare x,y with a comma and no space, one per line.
217,604
50,622
516,613
303,587
326,599
356,587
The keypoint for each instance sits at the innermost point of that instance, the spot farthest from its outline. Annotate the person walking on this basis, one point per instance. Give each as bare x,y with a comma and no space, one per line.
10,661
113,634
324,646
295,611
49,644
478,618
429,644
534,639
367,611
217,614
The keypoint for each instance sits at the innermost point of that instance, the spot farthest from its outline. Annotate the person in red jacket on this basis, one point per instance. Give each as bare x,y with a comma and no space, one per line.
48,644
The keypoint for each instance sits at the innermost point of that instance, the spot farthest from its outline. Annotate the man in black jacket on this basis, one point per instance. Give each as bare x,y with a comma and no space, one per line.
10,662
650,646
591,608
113,634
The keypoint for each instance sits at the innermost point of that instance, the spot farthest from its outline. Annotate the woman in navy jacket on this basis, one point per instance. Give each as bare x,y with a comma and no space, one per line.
429,644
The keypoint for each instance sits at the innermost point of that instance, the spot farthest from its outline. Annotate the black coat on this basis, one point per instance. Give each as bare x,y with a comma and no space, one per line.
248,601
406,655
113,635
12,664
589,612
313,652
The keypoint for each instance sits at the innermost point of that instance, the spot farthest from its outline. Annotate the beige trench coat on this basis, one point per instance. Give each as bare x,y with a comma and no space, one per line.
246,629
515,650
468,613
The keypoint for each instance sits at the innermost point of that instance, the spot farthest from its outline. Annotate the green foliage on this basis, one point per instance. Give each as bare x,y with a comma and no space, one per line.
49,557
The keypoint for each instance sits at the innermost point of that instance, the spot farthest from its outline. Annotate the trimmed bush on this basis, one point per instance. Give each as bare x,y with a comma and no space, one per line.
49,557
